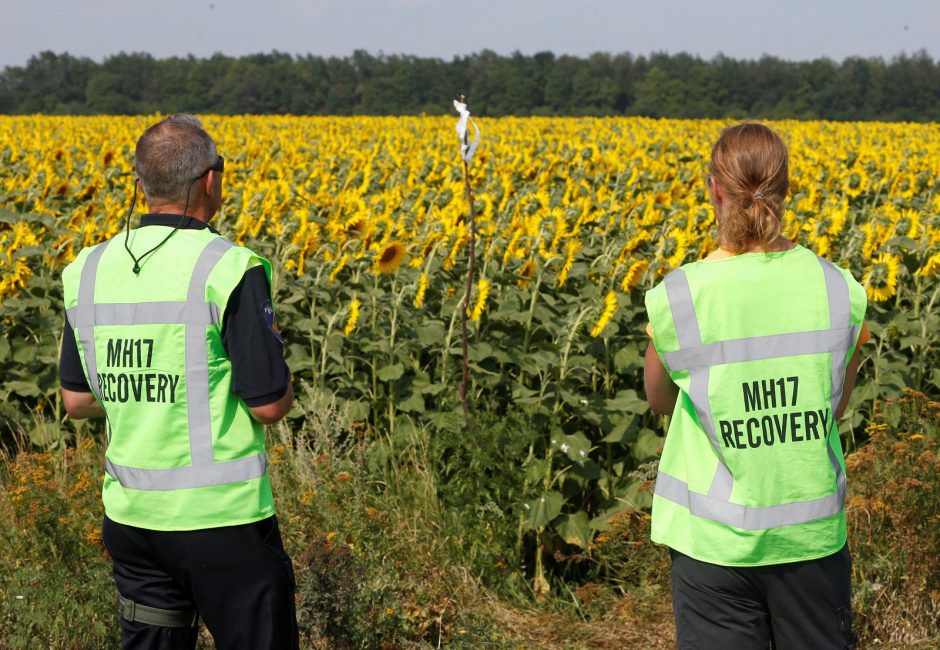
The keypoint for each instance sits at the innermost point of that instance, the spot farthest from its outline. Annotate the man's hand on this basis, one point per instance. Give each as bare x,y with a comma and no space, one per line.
81,405
271,413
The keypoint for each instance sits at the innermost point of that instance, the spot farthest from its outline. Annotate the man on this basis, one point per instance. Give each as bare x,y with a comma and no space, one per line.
170,335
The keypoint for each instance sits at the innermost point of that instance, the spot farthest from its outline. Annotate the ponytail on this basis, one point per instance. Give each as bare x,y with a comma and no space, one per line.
750,164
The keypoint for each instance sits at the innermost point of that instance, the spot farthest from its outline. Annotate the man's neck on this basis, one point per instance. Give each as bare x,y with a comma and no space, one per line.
195,211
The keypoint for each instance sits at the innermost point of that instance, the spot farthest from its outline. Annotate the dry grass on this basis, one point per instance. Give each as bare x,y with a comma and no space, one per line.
624,626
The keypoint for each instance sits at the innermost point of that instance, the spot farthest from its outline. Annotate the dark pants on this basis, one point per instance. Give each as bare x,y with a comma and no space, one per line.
238,578
788,606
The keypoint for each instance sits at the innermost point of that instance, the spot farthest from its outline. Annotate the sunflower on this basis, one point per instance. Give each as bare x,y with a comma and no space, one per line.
930,267
674,247
339,266
823,245
573,247
634,274
354,227
391,258
353,317
875,236
526,273
907,224
422,288
483,290
881,278
16,279
610,306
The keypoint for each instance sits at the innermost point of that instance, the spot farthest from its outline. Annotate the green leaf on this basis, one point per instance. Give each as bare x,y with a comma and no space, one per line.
585,471
636,498
358,411
414,403
422,383
25,354
647,445
8,216
576,447
601,521
518,391
431,333
627,401
543,509
390,373
574,529
44,434
935,378
479,351
534,470
24,388
618,434
627,358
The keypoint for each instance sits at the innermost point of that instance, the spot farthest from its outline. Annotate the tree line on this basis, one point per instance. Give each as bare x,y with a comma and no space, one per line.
905,88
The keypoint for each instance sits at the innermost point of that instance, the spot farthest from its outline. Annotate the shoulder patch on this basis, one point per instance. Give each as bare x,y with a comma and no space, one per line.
267,312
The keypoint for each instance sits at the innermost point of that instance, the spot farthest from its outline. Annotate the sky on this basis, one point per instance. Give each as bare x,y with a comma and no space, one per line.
790,29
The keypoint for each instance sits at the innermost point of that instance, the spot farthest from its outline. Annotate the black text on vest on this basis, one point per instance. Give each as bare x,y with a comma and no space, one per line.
136,385
780,427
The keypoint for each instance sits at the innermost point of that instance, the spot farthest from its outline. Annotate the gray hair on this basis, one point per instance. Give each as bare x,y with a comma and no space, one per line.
170,154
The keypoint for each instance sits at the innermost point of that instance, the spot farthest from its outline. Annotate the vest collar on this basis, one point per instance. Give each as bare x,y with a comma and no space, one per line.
170,220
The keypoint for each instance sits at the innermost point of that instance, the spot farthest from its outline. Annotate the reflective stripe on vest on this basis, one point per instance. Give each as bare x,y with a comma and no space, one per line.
195,314
697,358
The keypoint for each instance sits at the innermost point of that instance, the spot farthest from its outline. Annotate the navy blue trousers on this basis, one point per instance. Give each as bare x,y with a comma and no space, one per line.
791,606
238,578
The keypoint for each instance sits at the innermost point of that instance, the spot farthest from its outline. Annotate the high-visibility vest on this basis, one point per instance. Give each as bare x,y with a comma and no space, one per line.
184,452
752,471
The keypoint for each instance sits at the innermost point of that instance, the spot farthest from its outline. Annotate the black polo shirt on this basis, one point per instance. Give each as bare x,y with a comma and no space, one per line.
259,374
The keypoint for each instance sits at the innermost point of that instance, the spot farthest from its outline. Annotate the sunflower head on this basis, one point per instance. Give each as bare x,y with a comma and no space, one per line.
354,227
610,306
881,278
390,258
352,317
634,274
930,267
526,273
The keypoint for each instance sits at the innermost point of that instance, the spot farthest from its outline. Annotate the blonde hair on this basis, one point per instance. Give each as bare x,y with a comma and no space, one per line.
751,165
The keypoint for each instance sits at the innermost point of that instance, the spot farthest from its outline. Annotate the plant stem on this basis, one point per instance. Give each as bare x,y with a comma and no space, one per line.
391,348
462,392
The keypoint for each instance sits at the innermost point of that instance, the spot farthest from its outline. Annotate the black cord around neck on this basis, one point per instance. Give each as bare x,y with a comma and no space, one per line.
179,224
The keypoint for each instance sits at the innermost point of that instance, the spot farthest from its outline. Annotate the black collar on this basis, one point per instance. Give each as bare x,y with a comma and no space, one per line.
172,220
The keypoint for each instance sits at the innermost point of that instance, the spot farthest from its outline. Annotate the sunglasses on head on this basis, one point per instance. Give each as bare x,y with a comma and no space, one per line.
217,166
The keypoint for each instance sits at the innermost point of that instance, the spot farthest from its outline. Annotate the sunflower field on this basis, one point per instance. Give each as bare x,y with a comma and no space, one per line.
365,221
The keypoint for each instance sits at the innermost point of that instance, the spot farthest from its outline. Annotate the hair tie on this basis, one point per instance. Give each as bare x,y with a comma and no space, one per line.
758,196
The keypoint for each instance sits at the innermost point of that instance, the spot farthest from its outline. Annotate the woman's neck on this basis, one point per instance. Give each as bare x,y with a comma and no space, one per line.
781,243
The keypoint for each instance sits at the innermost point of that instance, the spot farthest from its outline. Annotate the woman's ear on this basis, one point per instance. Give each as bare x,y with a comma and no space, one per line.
718,196
715,189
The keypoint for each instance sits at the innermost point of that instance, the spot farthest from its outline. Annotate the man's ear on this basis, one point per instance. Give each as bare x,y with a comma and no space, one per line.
208,181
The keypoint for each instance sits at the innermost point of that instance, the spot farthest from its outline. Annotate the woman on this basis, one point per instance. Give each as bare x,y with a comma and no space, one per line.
753,353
